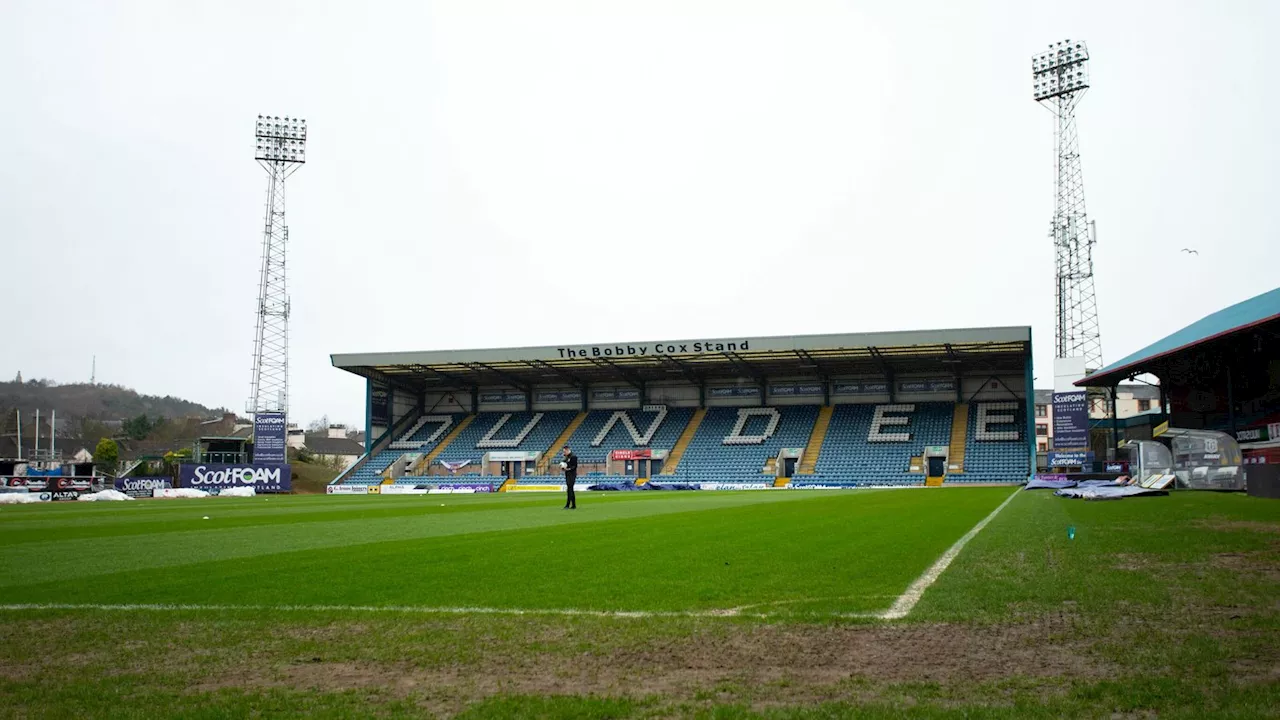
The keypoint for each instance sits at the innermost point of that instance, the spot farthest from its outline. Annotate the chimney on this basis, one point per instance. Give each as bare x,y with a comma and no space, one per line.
337,431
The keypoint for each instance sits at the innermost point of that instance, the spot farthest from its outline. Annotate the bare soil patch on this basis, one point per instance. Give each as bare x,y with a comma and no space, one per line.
1226,525
761,664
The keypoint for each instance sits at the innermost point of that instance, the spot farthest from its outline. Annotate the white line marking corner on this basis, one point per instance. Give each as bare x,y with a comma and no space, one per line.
907,600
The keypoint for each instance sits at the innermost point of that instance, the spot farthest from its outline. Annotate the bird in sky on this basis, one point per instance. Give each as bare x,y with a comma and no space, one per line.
1189,251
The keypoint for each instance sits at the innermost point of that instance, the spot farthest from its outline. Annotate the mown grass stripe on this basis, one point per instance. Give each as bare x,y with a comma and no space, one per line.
26,563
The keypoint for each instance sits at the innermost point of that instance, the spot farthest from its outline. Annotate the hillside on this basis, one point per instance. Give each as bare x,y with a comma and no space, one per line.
96,402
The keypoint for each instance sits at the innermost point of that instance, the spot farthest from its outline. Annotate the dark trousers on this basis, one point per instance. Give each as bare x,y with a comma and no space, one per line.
570,499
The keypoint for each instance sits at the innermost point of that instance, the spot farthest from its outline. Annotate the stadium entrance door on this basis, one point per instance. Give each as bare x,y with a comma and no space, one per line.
937,467
515,469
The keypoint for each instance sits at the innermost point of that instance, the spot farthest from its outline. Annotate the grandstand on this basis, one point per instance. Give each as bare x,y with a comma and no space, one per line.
882,409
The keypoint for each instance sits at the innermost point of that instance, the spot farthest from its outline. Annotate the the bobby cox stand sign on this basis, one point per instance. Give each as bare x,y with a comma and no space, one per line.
218,476
269,436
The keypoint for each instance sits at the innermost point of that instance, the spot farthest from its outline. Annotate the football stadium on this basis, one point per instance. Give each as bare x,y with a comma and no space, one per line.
905,523
809,526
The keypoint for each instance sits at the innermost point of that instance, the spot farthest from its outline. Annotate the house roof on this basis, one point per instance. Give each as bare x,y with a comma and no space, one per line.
1243,316
324,445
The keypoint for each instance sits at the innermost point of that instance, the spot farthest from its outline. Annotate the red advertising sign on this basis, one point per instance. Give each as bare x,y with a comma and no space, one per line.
644,454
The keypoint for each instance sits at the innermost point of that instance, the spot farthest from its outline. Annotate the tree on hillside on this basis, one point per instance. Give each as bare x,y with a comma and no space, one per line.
106,455
19,378
99,402
137,428
91,431
319,425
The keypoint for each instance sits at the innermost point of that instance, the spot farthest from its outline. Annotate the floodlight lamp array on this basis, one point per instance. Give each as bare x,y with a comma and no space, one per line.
281,139
1060,70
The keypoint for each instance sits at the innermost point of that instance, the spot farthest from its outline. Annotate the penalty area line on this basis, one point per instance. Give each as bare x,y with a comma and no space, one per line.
907,600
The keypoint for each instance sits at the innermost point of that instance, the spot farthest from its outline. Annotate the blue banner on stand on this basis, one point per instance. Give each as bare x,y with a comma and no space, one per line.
1071,420
269,434
1070,459
216,476
380,405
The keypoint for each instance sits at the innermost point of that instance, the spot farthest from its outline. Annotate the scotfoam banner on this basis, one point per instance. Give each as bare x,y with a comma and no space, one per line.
794,389
1081,458
379,405
1071,420
861,388
215,476
501,397
614,395
142,487
747,391
269,439
559,396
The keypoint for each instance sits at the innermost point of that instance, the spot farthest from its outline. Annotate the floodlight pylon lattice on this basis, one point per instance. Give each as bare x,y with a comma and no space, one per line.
1061,77
281,151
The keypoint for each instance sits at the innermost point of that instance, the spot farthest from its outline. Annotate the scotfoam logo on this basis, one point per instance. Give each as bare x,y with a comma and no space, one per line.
231,476
145,483
270,420
1069,397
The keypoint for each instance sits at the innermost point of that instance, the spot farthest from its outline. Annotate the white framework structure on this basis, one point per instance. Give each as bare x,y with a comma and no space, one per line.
281,150
1061,77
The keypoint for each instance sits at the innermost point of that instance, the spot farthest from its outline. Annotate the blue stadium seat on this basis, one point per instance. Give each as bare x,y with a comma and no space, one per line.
732,445
539,438
709,459
1002,456
619,437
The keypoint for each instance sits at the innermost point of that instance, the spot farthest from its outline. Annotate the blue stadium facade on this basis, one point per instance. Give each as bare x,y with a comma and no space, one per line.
855,410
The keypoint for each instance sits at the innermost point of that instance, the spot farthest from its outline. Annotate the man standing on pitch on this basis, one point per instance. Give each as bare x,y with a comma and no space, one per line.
570,466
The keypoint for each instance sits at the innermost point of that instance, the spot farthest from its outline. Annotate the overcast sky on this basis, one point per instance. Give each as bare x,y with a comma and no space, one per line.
546,172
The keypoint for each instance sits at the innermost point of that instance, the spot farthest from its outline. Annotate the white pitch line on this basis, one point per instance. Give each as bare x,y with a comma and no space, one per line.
907,600
425,610
414,609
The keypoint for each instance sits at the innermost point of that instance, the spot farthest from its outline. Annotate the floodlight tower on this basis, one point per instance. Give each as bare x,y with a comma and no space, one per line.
281,151
1061,77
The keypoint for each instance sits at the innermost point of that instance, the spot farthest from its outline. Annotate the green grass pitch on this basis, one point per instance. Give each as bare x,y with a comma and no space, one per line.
746,604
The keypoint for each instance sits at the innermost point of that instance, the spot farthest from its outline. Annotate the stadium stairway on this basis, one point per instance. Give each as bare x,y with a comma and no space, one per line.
424,464
368,469
959,437
544,462
508,484
813,449
686,437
